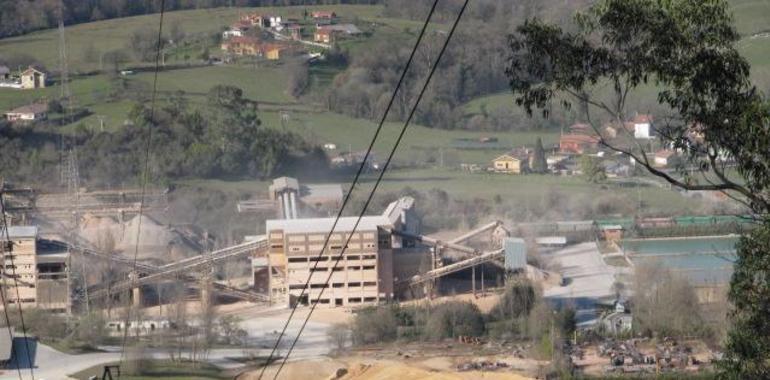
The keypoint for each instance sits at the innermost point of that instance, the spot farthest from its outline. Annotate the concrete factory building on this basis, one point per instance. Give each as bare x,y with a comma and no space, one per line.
364,273
40,268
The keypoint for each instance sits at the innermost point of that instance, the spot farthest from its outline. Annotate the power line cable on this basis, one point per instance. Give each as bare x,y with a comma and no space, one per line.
376,184
145,173
16,285
353,185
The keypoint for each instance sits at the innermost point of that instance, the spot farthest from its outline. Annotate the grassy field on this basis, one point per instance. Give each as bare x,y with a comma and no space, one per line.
114,34
518,190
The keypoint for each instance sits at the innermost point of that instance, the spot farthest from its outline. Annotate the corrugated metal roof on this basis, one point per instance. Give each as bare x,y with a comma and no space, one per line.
15,232
324,225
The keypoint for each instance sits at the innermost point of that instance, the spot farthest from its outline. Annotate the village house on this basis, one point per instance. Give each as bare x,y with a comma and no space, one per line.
510,163
28,113
581,129
323,15
295,31
615,130
577,143
273,51
323,35
643,128
243,46
33,78
236,30
664,157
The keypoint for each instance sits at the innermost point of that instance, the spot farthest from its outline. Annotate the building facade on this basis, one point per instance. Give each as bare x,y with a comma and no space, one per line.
363,274
35,271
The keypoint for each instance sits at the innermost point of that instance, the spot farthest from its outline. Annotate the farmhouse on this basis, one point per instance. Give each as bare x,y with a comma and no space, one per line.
33,78
642,126
30,112
236,30
243,46
664,157
577,143
295,31
273,51
323,36
509,164
614,130
323,15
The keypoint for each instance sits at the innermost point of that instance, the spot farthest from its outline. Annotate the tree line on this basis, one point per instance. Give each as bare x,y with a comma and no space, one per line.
470,68
223,138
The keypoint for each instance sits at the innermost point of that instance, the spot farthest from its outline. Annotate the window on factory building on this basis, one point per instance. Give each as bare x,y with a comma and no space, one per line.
354,300
338,269
370,283
354,284
369,257
368,267
370,299
296,287
338,285
354,268
297,259
318,286
354,257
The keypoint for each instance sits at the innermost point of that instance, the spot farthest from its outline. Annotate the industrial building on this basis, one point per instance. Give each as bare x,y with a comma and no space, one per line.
363,275
35,271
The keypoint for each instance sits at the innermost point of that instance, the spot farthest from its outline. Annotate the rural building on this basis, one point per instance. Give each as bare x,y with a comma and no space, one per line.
264,21
5,73
323,15
346,29
243,46
324,36
236,30
618,321
295,31
32,78
273,51
664,157
509,164
28,113
615,130
40,268
577,143
581,129
612,232
643,128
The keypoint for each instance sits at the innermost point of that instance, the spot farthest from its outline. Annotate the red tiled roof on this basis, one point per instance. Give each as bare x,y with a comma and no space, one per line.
642,119
578,138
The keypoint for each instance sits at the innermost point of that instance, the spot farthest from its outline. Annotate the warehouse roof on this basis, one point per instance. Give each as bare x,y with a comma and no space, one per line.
15,232
324,225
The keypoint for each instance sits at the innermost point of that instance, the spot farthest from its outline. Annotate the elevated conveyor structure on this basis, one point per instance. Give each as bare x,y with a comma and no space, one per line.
180,269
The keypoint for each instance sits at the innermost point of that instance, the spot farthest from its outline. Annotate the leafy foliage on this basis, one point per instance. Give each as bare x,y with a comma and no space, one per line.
748,343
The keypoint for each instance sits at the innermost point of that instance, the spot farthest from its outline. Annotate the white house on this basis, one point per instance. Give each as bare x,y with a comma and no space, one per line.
642,126
30,112
232,32
664,157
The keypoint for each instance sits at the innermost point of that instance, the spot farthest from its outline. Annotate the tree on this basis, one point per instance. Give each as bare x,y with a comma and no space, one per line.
688,50
539,163
748,341
338,335
592,169
298,77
